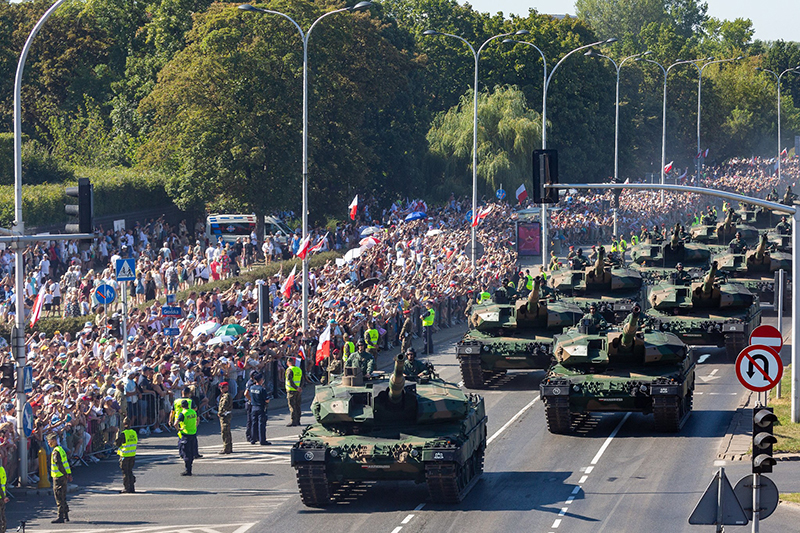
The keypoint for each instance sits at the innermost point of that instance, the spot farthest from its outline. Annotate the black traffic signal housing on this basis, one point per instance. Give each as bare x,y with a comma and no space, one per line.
84,209
545,172
7,375
763,439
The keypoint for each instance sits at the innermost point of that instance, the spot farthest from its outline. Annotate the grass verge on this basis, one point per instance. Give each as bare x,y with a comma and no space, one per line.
787,433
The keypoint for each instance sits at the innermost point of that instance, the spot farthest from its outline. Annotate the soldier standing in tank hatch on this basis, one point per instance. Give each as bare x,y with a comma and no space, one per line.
597,320
413,369
737,244
362,359
681,276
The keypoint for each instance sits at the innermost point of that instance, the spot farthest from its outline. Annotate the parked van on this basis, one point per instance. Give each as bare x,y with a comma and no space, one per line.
230,227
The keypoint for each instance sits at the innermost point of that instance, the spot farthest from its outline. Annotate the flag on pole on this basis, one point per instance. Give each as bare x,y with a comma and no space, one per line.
481,214
302,250
318,247
705,153
324,345
353,208
785,152
777,164
301,352
668,168
286,288
36,312
521,193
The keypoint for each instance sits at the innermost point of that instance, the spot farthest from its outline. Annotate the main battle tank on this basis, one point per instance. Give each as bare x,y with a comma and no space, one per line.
389,429
758,261
620,370
670,253
723,232
512,337
758,217
707,312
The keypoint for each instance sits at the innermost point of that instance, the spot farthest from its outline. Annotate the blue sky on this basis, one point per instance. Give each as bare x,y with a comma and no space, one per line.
772,19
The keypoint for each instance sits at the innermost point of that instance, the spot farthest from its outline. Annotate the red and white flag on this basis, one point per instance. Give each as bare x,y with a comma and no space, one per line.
302,250
36,312
318,247
286,288
482,212
521,193
668,168
301,352
353,208
785,152
324,345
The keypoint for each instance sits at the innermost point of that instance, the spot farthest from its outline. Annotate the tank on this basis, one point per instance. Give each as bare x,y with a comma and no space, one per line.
383,429
758,217
757,269
707,312
723,232
512,336
626,369
670,253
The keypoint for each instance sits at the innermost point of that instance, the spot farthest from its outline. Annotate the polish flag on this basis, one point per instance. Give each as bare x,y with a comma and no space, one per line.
301,352
324,345
785,152
318,247
482,212
36,312
521,193
668,168
286,288
705,153
302,250
353,208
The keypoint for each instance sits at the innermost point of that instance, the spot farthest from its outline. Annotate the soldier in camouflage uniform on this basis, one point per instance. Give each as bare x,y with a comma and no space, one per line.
225,413
362,359
407,331
413,369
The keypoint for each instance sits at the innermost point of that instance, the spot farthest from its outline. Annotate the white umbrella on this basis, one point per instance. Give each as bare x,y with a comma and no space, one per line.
206,328
366,232
432,232
222,339
352,254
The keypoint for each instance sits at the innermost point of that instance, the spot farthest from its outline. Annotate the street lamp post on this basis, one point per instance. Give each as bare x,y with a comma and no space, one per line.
710,61
546,84
778,79
305,36
476,55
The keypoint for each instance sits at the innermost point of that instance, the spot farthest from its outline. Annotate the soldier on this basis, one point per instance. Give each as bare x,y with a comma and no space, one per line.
407,331
593,254
62,474
467,309
571,253
186,423
773,195
597,320
681,276
501,293
294,391
362,359
553,261
737,244
644,236
655,236
257,395
413,369
126,443
225,413
335,365
783,227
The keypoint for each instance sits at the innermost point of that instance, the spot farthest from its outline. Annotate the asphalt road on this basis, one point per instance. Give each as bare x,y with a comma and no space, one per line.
614,474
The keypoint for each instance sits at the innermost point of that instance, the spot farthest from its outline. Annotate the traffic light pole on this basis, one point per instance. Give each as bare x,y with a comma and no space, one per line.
788,209
756,500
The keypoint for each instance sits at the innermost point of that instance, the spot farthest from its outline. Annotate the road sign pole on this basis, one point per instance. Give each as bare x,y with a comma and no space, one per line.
756,500
720,475
125,320
779,292
795,316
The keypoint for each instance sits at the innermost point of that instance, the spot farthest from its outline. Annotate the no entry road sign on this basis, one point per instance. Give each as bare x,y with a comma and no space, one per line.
759,368
767,336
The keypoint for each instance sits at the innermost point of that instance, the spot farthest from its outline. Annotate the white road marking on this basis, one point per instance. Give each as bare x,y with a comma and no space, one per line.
556,523
589,469
582,480
576,490
397,529
714,371
609,439
570,500
407,519
720,463
563,511
513,419
460,383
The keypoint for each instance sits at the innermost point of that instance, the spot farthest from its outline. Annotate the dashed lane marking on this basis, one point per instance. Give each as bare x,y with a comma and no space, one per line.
513,419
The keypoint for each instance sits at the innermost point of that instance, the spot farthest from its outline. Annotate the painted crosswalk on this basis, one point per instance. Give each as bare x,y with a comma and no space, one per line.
275,453
183,528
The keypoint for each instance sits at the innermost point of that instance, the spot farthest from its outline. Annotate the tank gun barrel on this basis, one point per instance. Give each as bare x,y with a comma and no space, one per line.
533,297
629,329
708,282
397,380
676,233
762,247
598,265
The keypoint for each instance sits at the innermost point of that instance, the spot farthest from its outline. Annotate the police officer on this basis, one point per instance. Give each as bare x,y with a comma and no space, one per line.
248,431
428,318
407,331
177,409
349,347
225,413
362,359
126,449
597,320
294,390
553,261
681,276
737,244
371,338
257,395
186,423
3,499
413,369
62,474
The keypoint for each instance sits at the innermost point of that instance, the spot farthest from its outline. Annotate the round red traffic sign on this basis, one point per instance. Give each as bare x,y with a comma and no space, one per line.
759,368
767,336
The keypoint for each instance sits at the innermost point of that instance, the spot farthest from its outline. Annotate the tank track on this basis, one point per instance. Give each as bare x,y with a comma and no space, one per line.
559,419
671,413
471,372
313,483
735,343
450,482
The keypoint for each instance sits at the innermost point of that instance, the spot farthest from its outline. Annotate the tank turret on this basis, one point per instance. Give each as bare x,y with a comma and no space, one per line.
397,381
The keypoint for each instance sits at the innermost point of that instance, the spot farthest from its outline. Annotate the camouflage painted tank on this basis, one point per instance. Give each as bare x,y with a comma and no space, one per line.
624,370
670,253
723,232
757,217
757,261
707,312
512,337
380,429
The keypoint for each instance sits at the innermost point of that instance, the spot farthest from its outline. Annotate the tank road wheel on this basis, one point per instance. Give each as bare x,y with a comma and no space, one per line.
471,372
668,413
559,419
313,484
735,343
450,482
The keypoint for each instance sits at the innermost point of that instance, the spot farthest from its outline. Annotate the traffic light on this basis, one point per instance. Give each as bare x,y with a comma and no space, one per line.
7,375
763,439
263,301
545,172
84,209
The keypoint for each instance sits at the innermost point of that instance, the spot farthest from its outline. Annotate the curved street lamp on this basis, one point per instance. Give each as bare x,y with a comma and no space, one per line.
305,36
778,77
476,56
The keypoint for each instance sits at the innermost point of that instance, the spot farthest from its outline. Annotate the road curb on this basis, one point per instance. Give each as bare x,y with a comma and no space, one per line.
735,445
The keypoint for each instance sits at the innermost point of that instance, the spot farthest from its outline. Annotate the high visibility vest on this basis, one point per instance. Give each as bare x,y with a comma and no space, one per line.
614,247
428,320
371,337
485,296
544,276
634,240
3,480
293,377
529,282
128,449
623,245
189,424
350,349
54,471
177,408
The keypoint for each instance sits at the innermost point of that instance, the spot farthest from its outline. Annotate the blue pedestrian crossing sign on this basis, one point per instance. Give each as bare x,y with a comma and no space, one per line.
105,294
27,420
27,379
126,270
501,194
